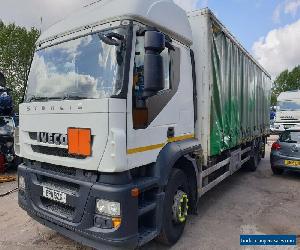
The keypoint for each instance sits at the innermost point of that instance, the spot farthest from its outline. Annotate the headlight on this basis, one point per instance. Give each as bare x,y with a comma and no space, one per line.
21,183
109,208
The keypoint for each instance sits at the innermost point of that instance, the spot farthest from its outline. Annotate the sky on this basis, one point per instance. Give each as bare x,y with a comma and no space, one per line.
268,29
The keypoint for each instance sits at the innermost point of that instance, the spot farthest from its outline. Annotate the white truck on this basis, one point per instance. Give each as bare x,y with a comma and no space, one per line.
288,111
134,110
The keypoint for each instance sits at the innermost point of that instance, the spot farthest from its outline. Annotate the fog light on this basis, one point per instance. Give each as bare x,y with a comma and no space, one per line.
107,222
116,222
21,183
109,208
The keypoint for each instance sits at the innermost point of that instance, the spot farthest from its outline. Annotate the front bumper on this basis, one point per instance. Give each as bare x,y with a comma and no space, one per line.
80,225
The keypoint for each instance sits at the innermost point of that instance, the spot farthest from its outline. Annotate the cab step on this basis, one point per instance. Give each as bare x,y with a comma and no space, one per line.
146,207
146,183
146,235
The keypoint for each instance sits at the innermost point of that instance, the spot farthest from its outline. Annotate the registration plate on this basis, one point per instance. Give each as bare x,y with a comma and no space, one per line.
292,163
54,195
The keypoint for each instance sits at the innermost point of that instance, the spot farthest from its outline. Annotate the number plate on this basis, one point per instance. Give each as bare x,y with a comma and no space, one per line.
292,163
55,195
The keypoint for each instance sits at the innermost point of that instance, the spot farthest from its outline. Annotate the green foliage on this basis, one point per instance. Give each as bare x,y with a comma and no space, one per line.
17,46
286,81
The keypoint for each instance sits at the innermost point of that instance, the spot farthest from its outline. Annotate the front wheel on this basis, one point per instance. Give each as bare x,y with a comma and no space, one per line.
175,208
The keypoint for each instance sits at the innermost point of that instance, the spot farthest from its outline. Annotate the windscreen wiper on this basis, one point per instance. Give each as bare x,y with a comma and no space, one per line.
75,97
112,38
38,98
291,141
43,98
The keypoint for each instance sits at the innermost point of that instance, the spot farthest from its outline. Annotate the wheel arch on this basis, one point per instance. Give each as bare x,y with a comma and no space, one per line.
187,166
178,155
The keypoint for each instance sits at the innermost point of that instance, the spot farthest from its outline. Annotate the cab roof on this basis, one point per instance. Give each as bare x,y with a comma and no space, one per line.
164,14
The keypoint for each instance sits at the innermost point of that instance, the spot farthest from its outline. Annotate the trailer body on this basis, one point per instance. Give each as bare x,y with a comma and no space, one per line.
233,89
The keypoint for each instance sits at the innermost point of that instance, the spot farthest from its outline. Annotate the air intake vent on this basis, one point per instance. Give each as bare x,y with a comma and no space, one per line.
59,209
58,169
61,152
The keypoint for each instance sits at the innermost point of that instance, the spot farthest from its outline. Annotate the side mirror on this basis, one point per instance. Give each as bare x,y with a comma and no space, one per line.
153,63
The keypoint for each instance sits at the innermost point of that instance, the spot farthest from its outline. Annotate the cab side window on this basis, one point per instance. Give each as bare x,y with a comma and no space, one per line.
145,111
139,67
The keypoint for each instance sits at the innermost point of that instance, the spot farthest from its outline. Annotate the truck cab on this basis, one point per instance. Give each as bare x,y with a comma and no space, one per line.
97,113
288,111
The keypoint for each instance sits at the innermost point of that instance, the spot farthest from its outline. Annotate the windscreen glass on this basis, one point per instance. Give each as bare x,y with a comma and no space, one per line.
86,67
289,106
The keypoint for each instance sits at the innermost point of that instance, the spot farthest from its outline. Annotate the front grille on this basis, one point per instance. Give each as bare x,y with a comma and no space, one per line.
61,152
43,148
58,169
74,183
58,208
54,207
66,187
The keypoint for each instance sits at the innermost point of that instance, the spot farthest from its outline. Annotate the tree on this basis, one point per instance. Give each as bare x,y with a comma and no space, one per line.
286,81
17,46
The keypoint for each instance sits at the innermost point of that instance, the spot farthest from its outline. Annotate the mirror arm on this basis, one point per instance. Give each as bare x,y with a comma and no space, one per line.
170,46
112,35
108,40
143,30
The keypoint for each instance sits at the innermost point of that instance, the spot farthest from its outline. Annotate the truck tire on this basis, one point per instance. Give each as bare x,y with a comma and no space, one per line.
263,153
260,156
277,171
175,208
252,164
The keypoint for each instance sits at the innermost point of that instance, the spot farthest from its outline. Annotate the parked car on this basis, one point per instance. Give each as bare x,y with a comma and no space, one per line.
7,127
285,153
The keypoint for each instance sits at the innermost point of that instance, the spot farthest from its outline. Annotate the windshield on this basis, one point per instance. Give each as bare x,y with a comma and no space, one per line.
290,137
6,125
86,67
289,106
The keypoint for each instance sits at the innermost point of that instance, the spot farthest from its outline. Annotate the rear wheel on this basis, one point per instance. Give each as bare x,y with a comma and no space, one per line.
175,208
277,171
263,150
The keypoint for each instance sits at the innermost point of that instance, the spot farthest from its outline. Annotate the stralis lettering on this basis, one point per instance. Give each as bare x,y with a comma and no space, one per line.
54,108
52,138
